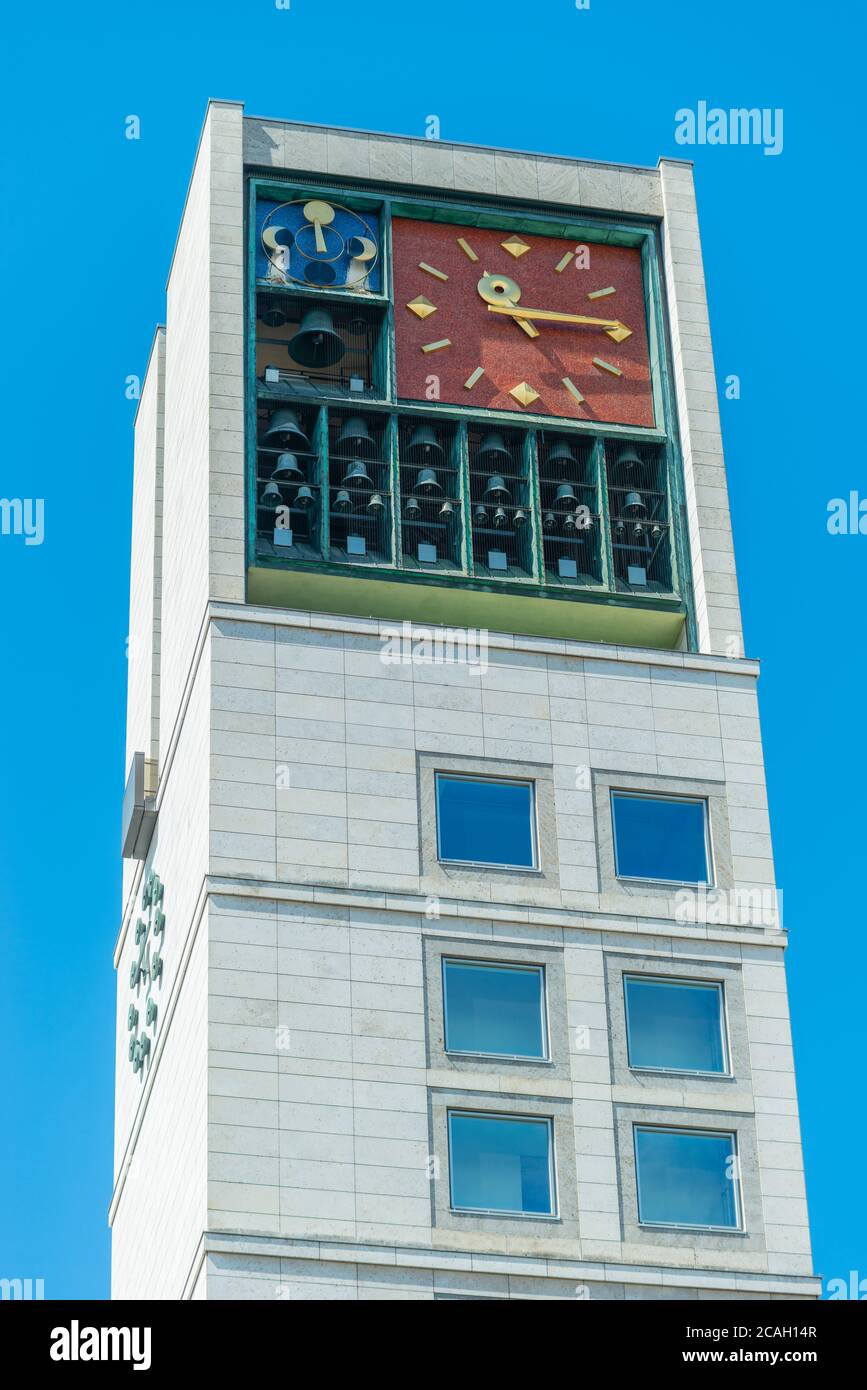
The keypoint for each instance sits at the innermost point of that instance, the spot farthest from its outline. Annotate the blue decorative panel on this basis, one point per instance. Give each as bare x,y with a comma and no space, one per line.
320,244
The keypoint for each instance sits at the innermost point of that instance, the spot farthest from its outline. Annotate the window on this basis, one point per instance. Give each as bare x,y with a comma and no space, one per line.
687,1178
499,1163
664,838
486,821
675,1025
495,1010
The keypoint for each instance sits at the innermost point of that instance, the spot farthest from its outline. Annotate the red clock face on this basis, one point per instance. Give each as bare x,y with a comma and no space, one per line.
515,321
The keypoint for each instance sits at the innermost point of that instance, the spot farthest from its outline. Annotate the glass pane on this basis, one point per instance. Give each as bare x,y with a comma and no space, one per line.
493,1008
500,1164
485,822
686,1179
674,1024
660,838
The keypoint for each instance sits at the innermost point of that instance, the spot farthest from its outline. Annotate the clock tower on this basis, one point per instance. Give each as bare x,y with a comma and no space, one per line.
450,959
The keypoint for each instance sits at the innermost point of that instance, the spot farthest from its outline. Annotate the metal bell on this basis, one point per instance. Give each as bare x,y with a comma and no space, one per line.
317,343
412,507
287,469
569,523
480,515
549,521
496,490
634,504
343,501
355,438
565,494
493,449
561,454
273,315
447,509
520,517
304,497
376,503
427,481
423,446
271,496
638,531
628,458
284,427
500,517
358,475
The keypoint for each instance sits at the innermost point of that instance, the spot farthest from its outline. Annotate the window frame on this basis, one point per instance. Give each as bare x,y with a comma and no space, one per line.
708,882
719,985
548,1121
536,867
739,1228
545,1059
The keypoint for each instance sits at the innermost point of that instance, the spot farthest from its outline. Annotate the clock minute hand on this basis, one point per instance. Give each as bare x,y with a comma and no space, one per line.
613,327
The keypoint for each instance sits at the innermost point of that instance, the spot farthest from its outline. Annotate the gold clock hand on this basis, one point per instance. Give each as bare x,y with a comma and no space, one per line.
613,327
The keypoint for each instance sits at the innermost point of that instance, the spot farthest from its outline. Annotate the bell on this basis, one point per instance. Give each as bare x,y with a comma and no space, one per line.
423,446
376,503
620,528
355,438
480,515
304,497
284,428
343,501
427,481
273,315
569,523
412,507
358,475
561,454
500,517
549,521
287,469
317,343
634,504
656,533
271,496
565,494
493,449
628,458
447,509
520,517
496,490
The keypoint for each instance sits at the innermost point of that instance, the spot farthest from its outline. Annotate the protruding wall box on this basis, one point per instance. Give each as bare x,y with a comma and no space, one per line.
139,809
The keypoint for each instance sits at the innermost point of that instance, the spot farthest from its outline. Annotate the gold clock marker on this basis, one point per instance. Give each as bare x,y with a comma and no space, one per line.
421,307
474,377
573,390
515,246
524,393
601,294
431,270
467,249
606,367
561,265
435,347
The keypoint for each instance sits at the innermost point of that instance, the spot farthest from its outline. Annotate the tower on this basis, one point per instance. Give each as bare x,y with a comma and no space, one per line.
450,962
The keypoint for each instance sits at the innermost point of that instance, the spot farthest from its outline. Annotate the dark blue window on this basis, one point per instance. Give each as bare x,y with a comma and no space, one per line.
686,1178
660,837
497,1009
500,1164
483,821
675,1025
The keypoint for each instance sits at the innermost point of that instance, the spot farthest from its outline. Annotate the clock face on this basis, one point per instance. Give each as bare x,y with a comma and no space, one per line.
499,320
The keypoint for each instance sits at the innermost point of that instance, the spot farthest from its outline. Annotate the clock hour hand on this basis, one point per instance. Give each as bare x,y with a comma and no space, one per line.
612,327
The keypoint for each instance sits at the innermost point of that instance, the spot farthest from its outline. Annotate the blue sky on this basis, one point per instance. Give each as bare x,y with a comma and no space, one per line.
87,235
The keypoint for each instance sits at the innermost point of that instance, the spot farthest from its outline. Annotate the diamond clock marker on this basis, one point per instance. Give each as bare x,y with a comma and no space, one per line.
421,307
524,393
515,246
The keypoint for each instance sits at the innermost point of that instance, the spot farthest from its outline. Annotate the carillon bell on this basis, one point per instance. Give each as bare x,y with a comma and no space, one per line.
287,469
549,521
273,315
500,517
284,427
317,343
412,508
561,454
423,446
376,503
304,497
357,475
480,515
427,481
569,523
656,533
447,509
271,496
565,494
493,449
638,531
355,437
343,501
634,504
520,517
496,490
628,458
